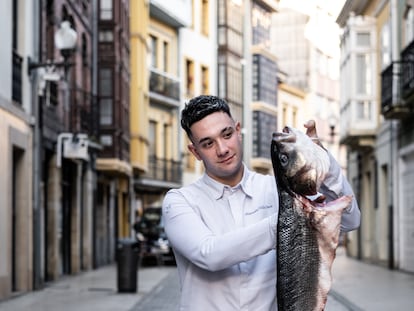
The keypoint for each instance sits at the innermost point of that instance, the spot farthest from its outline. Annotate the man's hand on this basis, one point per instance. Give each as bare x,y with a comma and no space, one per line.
311,132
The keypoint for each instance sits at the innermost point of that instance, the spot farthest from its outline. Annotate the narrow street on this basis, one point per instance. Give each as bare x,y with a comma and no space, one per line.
356,286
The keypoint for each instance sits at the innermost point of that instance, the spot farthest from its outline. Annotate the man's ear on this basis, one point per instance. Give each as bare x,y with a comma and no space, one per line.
193,150
238,129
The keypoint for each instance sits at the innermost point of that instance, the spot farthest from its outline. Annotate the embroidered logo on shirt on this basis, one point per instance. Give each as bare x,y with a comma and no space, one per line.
259,208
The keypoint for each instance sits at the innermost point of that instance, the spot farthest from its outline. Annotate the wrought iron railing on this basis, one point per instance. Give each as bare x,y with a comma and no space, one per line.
164,170
163,84
407,72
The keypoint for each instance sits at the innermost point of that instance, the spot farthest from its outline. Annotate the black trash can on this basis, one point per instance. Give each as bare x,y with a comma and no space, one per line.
127,253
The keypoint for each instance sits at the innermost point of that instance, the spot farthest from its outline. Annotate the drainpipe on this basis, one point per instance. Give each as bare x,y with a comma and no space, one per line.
246,83
37,153
95,102
395,54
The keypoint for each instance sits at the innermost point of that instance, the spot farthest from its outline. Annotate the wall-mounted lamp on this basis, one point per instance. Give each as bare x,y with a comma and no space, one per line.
65,40
332,124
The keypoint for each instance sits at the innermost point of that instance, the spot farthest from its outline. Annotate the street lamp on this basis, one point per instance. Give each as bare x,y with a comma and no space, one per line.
65,40
332,124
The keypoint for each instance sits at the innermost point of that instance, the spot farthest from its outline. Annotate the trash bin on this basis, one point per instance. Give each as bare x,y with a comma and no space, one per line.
127,253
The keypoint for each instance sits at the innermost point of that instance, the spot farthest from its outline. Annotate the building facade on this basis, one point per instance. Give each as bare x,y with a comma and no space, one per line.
305,39
263,108
198,64
16,158
113,208
159,166
66,109
377,107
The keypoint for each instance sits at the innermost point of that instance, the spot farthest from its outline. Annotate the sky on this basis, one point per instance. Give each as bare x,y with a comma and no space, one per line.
321,29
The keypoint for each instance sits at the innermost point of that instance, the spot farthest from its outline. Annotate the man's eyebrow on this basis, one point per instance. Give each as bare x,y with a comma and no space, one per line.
222,131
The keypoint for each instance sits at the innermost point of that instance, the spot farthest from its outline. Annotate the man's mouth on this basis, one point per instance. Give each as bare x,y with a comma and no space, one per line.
226,160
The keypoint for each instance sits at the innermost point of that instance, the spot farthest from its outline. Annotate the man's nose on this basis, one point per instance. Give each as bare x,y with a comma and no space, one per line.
222,148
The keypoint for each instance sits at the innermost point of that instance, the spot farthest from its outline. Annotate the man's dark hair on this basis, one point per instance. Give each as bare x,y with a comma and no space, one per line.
199,107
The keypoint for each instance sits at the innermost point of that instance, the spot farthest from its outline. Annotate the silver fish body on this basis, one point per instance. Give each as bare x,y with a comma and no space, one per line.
308,233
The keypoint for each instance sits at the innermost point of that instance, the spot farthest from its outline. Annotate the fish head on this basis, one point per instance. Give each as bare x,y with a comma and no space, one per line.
299,164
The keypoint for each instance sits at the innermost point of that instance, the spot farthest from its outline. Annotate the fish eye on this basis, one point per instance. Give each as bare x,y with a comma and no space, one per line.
284,159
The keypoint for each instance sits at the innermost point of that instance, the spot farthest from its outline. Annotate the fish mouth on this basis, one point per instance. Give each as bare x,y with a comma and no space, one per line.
286,135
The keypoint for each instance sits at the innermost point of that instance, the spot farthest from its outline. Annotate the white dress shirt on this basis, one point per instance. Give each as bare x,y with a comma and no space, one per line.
224,240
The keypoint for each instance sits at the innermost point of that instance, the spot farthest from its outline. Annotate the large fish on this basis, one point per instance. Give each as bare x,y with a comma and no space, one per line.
308,232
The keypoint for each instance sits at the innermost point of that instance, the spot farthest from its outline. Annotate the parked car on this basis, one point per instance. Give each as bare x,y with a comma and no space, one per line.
153,240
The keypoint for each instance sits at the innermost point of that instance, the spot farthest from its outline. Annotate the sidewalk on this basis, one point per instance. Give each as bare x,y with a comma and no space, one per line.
369,287
357,286
92,290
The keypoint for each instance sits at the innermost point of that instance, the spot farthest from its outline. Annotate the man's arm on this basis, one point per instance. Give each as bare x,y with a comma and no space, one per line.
336,185
189,236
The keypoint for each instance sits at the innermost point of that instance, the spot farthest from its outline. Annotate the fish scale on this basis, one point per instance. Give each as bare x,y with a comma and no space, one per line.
298,257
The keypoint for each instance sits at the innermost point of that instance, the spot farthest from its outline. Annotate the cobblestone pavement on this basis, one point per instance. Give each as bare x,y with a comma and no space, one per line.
357,286
164,297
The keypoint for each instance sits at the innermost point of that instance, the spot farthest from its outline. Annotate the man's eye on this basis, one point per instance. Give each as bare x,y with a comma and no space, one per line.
207,144
228,134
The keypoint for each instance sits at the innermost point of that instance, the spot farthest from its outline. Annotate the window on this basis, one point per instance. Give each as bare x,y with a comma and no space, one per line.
222,86
15,25
106,36
264,79
264,125
105,111
363,39
363,110
105,82
165,56
152,136
189,71
106,9
204,17
261,22
385,45
84,50
106,140
153,59
205,89
363,74
409,26
105,93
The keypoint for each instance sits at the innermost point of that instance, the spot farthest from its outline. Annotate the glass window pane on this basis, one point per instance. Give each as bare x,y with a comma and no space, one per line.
363,77
105,111
152,136
106,140
106,9
105,82
153,52
363,39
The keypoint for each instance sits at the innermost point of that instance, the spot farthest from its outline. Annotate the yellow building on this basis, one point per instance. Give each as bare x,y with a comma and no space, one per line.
155,98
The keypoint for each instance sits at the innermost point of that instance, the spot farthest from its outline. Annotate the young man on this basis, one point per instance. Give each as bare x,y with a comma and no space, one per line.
222,226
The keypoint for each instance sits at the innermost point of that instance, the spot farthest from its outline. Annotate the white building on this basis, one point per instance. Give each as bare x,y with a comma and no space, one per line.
16,142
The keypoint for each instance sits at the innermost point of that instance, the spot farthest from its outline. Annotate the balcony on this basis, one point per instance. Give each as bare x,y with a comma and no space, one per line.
164,88
402,72
162,174
407,74
358,124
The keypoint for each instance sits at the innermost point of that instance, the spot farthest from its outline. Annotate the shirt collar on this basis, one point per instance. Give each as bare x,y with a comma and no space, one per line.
217,189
